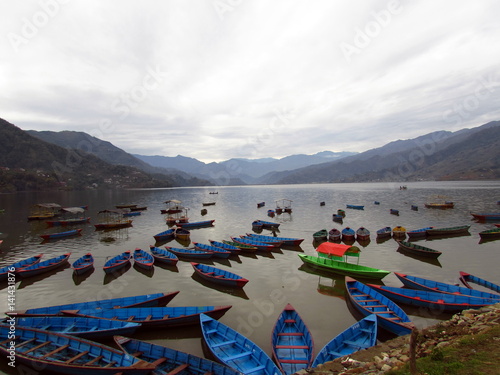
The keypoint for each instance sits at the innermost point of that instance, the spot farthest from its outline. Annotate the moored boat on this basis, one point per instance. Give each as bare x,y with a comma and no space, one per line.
467,278
163,256
259,245
144,300
189,253
343,268
45,266
368,301
362,234
197,224
112,219
261,204
384,232
320,235
243,247
290,241
4,271
360,335
399,232
355,206
486,216
418,249
440,205
267,224
165,235
88,328
490,233
217,252
337,218
235,350
393,211
65,354
225,246
219,276
143,259
448,230
71,216
334,235
182,233
292,342
418,233
154,317
117,262
83,264
348,234
420,283
68,233
171,361
439,302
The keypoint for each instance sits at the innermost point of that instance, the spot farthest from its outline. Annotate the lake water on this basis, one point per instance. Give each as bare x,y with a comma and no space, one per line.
276,278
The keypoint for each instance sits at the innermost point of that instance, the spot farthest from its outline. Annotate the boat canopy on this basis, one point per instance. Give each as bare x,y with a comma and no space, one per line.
175,201
73,210
337,249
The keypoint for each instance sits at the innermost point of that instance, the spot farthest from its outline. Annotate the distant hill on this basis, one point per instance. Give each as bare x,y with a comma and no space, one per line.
111,154
28,163
465,154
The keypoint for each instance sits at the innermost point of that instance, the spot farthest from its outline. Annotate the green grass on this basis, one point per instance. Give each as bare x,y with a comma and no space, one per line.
471,355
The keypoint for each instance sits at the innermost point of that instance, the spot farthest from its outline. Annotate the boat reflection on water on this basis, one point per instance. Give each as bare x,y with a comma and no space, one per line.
33,279
78,279
433,261
237,292
109,277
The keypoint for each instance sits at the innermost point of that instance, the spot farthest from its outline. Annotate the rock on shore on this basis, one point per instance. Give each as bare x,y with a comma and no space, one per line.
395,353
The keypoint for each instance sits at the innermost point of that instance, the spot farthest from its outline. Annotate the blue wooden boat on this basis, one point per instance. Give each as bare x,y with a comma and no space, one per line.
117,262
348,234
45,266
292,343
414,208
189,253
264,239
267,224
355,206
196,224
490,234
290,241
163,256
414,282
68,233
418,233
165,235
4,271
376,202
384,232
393,211
225,246
467,278
83,264
219,276
259,245
144,300
132,213
57,353
438,302
154,317
361,335
494,216
235,350
216,251
257,225
88,328
369,301
337,218
170,361
143,259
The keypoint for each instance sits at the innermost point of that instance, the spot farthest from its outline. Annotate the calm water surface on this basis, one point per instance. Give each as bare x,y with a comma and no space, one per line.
275,278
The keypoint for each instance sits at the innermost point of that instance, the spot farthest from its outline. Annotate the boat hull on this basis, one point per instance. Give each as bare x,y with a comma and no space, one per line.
418,250
45,266
219,276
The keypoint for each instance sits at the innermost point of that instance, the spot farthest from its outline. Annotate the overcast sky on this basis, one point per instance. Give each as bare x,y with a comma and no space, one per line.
217,79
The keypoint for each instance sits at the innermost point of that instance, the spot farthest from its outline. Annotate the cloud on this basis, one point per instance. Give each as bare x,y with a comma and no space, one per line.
220,79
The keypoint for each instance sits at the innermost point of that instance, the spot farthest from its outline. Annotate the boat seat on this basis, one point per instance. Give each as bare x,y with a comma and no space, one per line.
367,300
375,306
290,321
394,318
165,316
148,317
9,340
46,327
293,361
79,355
336,354
365,330
110,364
178,369
130,318
38,346
290,334
223,343
59,349
68,329
292,346
383,312
92,361
353,343
255,369
93,328
25,342
239,355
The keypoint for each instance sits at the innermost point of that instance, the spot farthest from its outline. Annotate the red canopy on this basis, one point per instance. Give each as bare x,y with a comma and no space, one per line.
335,249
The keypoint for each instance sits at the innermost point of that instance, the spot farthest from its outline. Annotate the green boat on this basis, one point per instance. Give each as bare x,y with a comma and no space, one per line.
448,231
320,235
343,268
242,247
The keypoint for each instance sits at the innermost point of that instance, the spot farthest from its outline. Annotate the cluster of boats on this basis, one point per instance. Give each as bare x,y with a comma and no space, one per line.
59,338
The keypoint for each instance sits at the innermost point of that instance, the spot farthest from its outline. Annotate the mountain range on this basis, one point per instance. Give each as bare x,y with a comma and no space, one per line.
76,160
